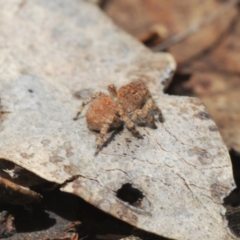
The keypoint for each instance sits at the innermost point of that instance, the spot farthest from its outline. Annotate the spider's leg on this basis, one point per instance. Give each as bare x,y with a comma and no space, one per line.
128,122
144,116
157,110
85,102
103,132
138,117
151,106
112,90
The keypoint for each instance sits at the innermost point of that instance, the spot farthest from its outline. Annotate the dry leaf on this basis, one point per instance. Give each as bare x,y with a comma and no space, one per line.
171,182
7,227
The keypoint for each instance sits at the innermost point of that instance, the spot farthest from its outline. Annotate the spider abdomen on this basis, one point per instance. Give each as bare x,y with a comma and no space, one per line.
105,108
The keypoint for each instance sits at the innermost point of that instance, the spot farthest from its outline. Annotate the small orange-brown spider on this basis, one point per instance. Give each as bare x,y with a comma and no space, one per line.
131,104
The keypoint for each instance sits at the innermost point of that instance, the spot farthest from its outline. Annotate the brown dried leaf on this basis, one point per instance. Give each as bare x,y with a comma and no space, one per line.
175,17
15,194
7,227
222,98
211,54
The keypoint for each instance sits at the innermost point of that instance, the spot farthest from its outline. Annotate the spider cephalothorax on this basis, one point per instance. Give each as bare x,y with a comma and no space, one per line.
131,104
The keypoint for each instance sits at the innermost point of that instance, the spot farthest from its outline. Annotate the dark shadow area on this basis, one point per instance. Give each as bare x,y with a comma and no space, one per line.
235,158
28,220
233,198
62,204
176,86
232,201
232,205
96,222
233,218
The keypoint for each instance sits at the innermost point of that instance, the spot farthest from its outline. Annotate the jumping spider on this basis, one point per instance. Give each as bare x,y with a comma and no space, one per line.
131,104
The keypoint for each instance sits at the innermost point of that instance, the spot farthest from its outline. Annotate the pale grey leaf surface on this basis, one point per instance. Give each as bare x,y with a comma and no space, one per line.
53,54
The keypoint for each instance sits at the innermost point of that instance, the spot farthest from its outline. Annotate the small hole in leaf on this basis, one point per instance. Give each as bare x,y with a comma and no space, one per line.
129,194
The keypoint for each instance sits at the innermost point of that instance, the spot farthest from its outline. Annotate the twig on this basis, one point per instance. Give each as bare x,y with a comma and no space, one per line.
195,27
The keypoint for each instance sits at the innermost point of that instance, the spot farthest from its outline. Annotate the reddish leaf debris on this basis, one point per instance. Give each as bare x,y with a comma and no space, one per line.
7,227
